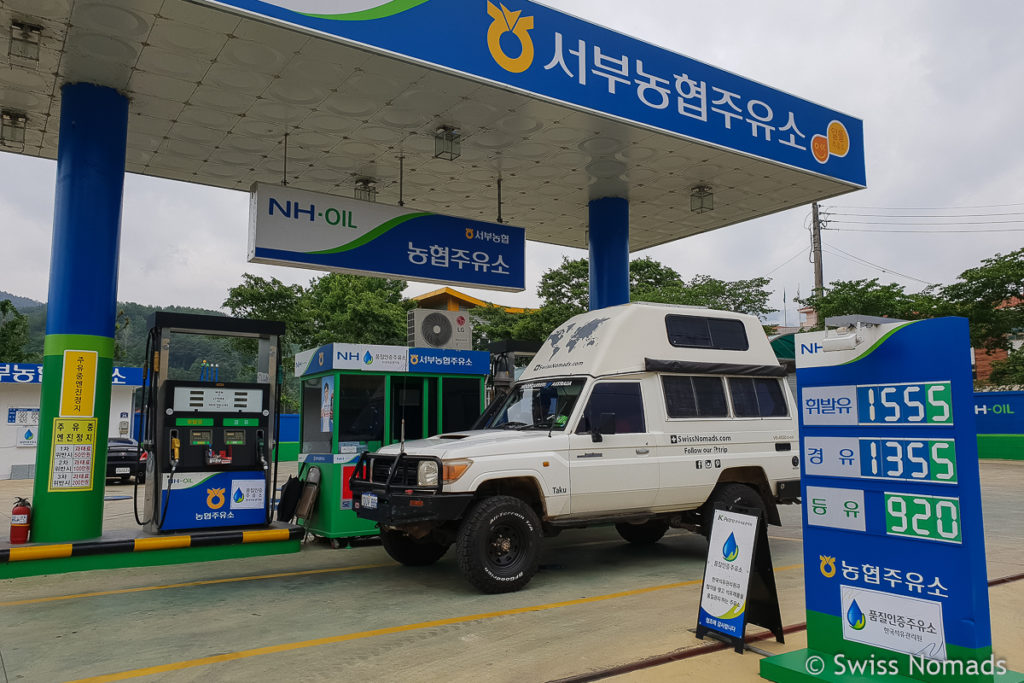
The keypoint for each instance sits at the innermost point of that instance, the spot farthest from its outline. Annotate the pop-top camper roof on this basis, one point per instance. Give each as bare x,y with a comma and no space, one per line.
638,337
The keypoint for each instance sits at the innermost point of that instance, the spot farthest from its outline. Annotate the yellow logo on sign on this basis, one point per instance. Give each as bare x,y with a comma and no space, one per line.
828,566
214,498
506,21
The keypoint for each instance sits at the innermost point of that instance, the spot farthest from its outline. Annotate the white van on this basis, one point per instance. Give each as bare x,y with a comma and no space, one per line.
644,415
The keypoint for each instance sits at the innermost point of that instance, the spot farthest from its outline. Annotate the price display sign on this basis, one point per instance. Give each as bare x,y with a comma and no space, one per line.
894,553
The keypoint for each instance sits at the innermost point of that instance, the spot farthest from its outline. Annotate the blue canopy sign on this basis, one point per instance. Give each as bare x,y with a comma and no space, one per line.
540,51
313,230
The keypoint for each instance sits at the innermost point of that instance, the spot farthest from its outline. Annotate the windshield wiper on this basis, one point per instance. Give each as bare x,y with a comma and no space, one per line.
513,425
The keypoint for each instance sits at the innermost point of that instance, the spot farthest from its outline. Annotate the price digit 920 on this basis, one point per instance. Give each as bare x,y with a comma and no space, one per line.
928,517
909,404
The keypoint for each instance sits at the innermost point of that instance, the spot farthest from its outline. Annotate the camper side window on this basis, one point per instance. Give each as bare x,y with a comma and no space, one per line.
757,397
699,332
694,396
623,399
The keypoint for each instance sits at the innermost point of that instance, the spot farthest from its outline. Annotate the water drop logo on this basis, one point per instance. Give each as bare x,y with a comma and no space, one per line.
731,549
368,358
854,617
505,22
28,435
239,496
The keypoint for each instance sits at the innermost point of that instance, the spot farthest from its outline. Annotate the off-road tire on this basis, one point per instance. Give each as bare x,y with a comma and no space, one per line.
728,494
410,551
648,533
498,544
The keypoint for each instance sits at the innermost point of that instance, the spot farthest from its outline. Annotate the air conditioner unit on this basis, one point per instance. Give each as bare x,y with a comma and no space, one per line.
440,329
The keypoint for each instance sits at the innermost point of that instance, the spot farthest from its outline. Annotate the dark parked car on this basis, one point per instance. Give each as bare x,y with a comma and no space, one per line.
124,461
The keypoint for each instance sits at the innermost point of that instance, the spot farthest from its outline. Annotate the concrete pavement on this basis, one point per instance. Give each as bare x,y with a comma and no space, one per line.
324,614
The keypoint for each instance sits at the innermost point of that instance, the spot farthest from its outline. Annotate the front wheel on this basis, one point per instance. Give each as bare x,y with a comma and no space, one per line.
410,551
498,544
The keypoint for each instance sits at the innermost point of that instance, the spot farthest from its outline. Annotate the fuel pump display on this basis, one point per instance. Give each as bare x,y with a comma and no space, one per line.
212,442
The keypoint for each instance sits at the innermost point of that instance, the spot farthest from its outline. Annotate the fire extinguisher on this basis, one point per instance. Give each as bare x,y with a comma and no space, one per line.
21,517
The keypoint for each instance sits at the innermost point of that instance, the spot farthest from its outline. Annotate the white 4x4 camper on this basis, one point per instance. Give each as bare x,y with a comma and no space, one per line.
644,415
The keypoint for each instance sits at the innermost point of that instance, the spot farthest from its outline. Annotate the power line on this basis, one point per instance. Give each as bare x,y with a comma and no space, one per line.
926,224
922,232
925,215
926,208
878,268
875,265
802,251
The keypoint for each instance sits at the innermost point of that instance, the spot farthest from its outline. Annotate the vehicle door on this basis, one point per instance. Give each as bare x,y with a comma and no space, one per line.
616,471
698,441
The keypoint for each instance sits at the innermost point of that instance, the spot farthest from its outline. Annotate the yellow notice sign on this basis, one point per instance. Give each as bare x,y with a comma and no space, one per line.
78,385
73,457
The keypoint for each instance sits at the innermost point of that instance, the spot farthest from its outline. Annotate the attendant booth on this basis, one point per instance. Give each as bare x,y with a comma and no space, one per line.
358,397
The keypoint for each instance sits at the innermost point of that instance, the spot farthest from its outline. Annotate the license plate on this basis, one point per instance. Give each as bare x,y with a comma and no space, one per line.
122,470
368,501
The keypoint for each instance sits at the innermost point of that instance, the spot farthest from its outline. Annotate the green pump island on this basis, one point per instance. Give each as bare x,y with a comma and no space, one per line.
359,397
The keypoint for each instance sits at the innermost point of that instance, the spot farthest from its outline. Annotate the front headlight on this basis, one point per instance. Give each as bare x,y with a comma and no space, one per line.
426,473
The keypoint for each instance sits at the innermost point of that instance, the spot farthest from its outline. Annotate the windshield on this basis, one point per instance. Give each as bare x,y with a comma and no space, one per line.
538,405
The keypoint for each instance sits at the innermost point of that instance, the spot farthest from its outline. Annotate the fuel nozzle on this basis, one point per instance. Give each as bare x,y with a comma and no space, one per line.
175,448
262,444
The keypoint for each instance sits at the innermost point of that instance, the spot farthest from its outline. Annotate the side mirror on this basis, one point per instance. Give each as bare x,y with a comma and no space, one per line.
605,425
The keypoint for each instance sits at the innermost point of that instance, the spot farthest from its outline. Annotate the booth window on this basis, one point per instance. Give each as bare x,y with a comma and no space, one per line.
623,399
460,401
406,404
360,414
315,439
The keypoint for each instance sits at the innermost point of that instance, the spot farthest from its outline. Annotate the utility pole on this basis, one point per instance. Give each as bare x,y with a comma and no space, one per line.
819,285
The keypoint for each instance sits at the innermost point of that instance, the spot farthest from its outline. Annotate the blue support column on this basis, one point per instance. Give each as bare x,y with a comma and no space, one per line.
79,344
609,252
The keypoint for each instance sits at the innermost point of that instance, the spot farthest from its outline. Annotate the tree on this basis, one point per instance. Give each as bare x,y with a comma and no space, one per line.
13,334
494,323
991,296
356,309
261,299
742,296
565,292
1009,371
648,275
868,297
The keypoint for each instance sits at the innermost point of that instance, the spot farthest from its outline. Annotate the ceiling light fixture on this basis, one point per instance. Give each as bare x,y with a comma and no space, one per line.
25,41
447,143
12,127
701,199
366,189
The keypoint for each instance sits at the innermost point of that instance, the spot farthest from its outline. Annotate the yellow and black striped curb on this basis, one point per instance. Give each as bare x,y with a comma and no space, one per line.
136,545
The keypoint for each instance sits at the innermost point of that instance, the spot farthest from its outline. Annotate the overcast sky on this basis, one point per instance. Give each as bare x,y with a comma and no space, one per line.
937,84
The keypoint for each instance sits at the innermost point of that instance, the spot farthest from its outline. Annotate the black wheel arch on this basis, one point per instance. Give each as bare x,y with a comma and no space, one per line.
755,477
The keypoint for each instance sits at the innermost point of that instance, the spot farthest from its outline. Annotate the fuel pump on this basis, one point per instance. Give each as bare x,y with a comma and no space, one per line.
211,443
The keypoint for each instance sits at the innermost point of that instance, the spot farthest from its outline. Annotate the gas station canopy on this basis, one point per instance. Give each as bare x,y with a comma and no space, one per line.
562,111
